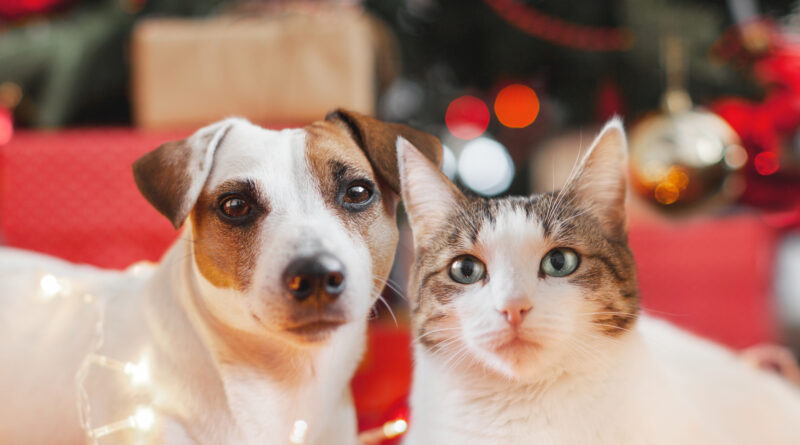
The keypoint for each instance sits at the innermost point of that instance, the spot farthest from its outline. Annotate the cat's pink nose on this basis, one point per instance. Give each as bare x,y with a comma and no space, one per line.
514,311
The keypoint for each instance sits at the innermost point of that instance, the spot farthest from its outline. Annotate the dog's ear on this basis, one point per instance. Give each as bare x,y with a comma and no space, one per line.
378,140
172,176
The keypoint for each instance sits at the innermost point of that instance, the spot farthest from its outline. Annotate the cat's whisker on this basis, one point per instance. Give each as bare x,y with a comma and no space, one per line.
601,338
389,308
447,342
589,353
464,354
612,326
655,311
434,332
440,347
622,314
395,287
457,355
588,349
566,220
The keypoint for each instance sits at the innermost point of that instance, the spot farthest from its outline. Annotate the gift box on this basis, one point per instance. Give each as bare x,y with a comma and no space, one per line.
711,275
283,66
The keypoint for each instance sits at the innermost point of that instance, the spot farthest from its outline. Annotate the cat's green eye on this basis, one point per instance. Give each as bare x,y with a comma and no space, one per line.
559,262
466,269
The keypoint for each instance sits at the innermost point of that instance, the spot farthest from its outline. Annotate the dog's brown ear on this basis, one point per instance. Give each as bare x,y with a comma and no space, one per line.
172,176
378,140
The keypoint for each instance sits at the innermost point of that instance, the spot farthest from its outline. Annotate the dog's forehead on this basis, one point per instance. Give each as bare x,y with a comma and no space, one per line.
248,151
284,164
326,141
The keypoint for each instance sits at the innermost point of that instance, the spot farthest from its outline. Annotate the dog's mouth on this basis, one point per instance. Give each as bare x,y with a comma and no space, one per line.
316,329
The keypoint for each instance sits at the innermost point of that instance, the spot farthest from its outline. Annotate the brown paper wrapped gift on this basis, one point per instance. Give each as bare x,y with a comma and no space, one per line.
276,68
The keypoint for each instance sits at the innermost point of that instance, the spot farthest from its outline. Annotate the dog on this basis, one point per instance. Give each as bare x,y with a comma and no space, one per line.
253,322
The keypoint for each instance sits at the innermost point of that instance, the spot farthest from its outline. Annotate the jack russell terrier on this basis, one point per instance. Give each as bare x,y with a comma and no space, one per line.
255,318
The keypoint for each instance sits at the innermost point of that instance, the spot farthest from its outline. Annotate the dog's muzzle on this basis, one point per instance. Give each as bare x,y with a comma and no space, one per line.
318,278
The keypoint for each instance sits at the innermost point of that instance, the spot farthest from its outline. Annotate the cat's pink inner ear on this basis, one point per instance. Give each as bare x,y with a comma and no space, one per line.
602,182
429,197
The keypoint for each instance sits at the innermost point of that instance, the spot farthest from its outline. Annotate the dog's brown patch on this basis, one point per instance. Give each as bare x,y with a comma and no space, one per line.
163,178
335,159
378,141
226,254
166,175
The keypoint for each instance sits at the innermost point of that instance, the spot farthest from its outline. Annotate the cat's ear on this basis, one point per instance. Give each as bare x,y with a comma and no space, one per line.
601,181
429,197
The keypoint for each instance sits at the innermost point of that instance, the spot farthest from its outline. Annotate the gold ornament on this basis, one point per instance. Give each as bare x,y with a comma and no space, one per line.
685,155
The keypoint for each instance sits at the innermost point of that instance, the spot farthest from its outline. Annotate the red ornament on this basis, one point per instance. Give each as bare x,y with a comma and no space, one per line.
467,117
766,163
764,127
516,106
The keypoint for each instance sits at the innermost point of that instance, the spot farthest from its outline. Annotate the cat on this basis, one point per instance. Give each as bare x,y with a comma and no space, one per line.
529,331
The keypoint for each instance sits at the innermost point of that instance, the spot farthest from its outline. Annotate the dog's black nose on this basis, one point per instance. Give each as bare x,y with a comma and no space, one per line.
319,276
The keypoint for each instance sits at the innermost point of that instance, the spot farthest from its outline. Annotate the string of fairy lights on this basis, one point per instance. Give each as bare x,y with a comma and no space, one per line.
138,377
137,373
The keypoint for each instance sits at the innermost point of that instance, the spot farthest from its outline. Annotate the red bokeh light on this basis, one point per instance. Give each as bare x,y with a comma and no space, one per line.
516,106
766,163
6,126
13,9
467,117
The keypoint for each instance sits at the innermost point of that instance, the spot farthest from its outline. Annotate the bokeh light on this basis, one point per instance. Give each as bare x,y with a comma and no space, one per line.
516,106
449,165
666,193
6,126
467,117
49,287
766,163
298,434
401,100
144,418
394,428
138,372
485,166
669,189
679,177
735,156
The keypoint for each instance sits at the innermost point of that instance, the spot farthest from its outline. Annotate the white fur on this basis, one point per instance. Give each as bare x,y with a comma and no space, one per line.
665,387
199,396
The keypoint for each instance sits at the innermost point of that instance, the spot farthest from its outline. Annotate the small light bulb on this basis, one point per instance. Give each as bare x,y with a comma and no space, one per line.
298,435
144,418
50,287
394,428
139,372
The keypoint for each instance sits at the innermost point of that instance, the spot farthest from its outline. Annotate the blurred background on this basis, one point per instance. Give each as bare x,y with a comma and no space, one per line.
709,91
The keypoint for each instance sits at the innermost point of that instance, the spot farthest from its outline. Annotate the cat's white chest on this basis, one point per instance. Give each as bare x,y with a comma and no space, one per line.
561,416
667,388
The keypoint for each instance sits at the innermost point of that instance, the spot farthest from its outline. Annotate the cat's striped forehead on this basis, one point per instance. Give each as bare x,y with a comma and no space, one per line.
550,216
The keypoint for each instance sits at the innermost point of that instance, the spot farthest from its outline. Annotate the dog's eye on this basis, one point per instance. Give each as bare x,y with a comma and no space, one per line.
357,194
234,206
